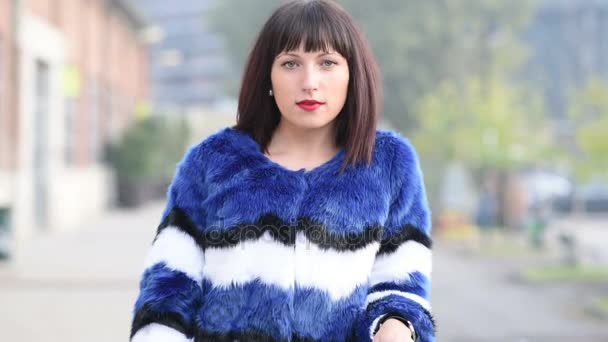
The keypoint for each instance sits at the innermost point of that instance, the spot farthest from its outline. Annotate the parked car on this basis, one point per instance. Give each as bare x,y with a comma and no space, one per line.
592,198
544,187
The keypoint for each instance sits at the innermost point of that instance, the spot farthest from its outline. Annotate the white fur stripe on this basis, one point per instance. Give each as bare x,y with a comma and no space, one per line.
179,252
414,297
264,258
337,272
155,332
411,256
373,326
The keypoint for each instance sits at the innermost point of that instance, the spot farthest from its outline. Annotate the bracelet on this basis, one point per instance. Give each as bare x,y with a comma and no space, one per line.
407,323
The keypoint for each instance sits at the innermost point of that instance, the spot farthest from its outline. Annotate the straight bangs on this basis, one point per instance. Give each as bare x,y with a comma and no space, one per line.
309,24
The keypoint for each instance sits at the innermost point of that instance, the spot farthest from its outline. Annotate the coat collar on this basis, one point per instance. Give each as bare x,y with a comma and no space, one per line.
244,144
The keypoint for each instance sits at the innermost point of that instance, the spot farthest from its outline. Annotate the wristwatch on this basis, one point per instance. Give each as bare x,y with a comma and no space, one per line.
400,319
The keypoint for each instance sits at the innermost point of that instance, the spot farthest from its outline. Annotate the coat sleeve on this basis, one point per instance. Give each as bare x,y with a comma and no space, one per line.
170,290
401,275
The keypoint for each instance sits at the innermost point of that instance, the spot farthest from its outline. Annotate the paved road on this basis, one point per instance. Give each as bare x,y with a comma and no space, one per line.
476,300
77,287
81,286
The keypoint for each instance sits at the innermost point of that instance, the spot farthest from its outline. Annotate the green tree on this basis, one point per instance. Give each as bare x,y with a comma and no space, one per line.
491,126
589,114
498,127
422,44
145,156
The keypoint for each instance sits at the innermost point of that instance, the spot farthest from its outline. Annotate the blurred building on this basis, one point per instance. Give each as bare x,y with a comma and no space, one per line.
188,68
72,75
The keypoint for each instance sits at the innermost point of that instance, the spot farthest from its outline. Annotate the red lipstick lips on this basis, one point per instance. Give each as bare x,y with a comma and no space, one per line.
309,105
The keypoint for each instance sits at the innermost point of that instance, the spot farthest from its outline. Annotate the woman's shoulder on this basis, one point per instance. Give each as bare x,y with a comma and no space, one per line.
396,144
220,139
216,145
403,162
199,155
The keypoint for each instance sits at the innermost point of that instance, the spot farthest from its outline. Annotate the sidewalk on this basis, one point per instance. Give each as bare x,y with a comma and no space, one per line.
77,286
590,234
475,299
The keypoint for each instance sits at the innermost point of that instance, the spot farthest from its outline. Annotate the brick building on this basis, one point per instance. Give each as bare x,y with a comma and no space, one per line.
72,75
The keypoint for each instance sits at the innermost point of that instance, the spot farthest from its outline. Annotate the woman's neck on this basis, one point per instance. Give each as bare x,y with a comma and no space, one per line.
311,146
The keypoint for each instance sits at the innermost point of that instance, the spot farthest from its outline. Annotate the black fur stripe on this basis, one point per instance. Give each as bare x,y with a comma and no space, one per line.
285,233
232,336
320,235
298,338
145,315
408,233
179,218
249,336
278,229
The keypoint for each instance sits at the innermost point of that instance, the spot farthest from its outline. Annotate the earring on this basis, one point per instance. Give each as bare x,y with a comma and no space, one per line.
270,92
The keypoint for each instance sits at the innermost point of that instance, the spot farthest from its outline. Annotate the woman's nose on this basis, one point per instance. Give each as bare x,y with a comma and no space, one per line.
310,79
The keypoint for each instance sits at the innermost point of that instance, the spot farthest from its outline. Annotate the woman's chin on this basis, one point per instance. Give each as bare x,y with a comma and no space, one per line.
310,124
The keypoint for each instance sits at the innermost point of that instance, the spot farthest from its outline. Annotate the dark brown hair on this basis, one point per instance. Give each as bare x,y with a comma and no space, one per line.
321,25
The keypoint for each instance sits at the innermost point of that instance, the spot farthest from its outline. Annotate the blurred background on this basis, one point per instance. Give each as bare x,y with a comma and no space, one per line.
505,101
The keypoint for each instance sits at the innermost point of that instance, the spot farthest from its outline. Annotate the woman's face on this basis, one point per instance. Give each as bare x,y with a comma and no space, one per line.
309,88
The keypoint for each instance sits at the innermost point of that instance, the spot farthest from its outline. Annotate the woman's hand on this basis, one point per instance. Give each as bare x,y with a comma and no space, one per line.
393,331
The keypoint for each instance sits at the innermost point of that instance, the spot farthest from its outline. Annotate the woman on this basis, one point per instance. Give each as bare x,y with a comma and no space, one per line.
303,222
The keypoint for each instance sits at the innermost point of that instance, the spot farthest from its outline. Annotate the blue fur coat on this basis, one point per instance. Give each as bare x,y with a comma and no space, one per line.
248,250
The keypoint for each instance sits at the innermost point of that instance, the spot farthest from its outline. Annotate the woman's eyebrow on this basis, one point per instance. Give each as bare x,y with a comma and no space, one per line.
297,55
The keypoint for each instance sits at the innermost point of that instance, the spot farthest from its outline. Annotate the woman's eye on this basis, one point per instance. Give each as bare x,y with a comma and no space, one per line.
289,64
328,63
